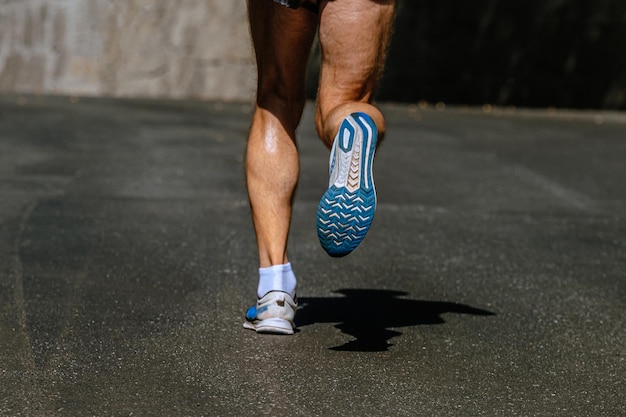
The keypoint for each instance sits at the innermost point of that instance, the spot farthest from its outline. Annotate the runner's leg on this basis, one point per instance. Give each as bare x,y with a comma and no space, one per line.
354,35
282,40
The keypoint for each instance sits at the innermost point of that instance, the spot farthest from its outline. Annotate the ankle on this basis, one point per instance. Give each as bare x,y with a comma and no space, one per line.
277,278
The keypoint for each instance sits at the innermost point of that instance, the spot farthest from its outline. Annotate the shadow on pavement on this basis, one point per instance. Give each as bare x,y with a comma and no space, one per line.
369,314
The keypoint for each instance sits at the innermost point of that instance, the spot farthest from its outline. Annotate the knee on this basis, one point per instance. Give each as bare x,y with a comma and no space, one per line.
284,100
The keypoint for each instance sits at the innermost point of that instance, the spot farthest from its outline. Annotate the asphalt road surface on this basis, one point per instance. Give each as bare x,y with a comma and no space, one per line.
492,282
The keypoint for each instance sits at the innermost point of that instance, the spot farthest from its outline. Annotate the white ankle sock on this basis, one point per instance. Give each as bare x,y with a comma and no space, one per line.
277,278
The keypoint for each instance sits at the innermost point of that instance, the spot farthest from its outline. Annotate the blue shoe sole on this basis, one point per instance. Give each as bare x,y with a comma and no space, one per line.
346,209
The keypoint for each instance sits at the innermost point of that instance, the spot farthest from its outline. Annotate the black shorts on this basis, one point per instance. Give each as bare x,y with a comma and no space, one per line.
294,4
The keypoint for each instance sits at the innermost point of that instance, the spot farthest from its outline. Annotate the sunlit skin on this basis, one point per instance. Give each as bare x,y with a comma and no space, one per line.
353,37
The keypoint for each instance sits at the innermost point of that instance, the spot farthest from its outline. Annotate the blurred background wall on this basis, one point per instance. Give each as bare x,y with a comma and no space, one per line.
182,48
563,53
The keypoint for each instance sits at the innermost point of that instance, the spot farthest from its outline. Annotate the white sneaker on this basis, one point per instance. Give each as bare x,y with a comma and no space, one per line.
274,313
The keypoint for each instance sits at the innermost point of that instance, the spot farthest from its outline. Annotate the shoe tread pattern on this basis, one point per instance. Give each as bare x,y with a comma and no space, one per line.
344,216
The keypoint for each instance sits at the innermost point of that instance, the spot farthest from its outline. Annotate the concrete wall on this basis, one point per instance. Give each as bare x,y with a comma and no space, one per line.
182,48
